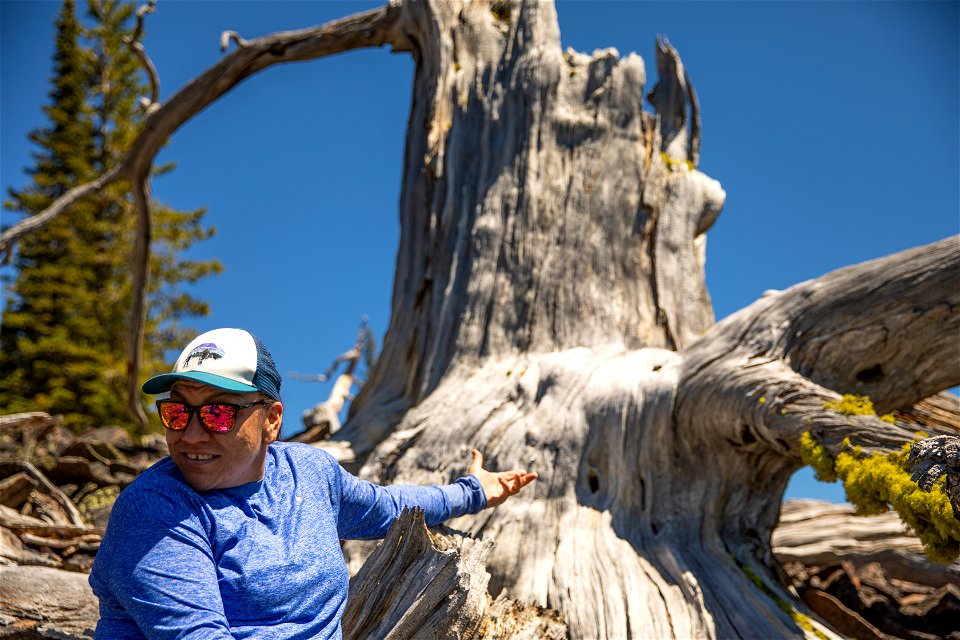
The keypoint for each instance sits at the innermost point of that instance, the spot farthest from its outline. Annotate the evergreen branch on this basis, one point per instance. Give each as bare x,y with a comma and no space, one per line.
153,103
33,223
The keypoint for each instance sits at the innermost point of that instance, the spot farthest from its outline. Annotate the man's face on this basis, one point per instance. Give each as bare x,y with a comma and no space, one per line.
222,460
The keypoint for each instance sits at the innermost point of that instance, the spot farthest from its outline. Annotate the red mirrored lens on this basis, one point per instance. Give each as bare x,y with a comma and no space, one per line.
174,415
218,417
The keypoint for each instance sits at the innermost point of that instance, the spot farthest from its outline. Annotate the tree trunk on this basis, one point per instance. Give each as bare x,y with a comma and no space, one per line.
550,308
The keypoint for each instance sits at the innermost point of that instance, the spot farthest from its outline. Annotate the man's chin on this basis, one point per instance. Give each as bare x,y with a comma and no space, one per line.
198,481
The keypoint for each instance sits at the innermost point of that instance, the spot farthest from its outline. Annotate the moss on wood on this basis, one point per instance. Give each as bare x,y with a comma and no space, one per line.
882,481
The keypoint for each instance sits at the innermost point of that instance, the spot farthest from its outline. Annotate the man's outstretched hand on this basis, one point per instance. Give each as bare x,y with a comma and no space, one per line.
498,486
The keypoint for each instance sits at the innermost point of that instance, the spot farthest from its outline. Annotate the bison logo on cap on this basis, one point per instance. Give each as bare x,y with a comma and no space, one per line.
202,352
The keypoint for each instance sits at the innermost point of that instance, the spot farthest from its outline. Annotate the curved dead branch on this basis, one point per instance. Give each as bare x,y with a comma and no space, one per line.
369,29
892,326
153,102
231,36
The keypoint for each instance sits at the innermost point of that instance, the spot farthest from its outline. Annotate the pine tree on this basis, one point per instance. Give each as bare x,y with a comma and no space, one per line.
63,335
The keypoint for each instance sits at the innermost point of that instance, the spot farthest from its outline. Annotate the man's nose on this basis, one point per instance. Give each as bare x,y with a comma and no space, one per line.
195,432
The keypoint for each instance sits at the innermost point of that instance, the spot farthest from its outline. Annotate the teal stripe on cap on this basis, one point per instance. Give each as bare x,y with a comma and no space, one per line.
163,382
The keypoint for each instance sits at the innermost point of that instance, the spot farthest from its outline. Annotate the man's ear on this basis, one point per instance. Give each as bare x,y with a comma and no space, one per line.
272,422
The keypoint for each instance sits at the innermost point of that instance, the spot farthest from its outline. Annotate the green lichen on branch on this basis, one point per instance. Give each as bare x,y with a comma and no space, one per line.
879,482
854,405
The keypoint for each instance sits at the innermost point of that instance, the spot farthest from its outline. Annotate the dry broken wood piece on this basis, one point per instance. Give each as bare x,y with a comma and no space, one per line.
15,489
410,588
20,523
69,510
419,584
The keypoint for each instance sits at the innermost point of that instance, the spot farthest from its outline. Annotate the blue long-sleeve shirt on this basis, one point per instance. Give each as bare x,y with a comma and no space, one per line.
261,560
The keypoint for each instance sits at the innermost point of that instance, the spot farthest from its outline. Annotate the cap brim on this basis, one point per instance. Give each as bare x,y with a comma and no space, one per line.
162,383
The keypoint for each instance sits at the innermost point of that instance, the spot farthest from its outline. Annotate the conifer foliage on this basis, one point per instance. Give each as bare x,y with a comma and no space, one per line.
62,338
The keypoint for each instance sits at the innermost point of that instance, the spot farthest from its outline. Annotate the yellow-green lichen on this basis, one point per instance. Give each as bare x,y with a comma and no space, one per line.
878,482
817,457
854,405
673,163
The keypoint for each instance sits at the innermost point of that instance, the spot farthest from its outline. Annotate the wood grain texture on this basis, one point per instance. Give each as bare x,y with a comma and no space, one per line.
421,585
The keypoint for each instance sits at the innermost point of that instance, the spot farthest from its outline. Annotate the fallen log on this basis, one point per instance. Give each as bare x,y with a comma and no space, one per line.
818,533
40,602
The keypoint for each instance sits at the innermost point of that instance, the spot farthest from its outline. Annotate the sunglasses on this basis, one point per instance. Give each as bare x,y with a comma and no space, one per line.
216,417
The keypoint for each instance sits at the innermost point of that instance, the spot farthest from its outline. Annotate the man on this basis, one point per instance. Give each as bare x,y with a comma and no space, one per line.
236,535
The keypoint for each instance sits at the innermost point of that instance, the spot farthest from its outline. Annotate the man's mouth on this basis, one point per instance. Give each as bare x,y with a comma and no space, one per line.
199,457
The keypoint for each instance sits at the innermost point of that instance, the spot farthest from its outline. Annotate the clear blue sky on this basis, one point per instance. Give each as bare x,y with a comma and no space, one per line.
833,128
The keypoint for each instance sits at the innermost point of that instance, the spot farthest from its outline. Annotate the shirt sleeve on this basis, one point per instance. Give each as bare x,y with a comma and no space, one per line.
367,510
155,573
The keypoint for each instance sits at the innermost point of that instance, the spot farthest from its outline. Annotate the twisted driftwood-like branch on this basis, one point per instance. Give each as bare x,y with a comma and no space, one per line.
323,419
891,327
48,487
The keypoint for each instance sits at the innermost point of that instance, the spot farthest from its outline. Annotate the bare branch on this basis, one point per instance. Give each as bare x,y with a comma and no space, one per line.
351,357
886,328
38,221
228,36
133,41
140,268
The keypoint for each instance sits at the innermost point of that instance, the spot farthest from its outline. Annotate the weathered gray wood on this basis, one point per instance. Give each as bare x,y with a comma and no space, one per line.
26,524
418,584
15,489
72,516
535,208
412,587
818,533
60,601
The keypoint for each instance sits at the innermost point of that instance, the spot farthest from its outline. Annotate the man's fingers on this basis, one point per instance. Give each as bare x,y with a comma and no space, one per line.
513,481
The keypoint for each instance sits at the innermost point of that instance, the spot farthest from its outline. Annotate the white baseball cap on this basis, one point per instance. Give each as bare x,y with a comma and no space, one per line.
229,359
